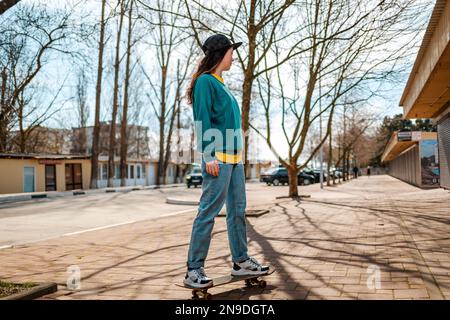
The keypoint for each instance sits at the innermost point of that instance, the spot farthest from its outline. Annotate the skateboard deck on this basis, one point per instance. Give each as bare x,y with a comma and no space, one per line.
250,281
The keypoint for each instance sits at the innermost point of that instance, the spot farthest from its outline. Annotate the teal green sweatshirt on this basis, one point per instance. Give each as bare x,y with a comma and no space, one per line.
217,117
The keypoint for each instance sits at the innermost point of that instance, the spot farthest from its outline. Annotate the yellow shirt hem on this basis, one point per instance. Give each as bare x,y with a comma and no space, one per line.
228,158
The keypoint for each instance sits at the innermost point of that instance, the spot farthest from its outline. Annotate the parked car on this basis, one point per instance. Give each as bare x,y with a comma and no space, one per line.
338,173
279,176
305,178
316,174
194,177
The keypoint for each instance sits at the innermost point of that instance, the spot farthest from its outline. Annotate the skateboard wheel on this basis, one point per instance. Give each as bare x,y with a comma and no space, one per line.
248,283
208,296
262,284
195,295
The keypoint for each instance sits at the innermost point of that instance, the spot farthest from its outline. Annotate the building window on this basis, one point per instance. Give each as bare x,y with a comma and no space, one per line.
50,177
138,171
73,176
131,171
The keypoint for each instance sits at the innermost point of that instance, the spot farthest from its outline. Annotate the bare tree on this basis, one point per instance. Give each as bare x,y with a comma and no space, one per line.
98,96
82,110
112,134
345,49
239,20
123,127
165,94
176,111
256,22
29,35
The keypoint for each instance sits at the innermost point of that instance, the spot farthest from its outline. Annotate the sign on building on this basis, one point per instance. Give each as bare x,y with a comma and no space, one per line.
404,136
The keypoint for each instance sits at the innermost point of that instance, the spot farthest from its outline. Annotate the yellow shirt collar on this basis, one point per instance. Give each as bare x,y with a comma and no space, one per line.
217,77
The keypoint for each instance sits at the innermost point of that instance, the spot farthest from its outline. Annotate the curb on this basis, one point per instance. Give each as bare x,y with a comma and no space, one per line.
255,213
248,213
59,194
35,292
182,202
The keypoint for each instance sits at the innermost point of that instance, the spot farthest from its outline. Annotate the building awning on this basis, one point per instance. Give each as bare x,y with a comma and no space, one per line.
103,158
402,141
43,156
427,92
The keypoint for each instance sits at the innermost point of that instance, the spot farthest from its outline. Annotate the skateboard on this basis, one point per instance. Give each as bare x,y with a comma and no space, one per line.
250,281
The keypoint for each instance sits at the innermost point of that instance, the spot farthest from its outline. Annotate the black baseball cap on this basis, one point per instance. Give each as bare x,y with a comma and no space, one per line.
217,42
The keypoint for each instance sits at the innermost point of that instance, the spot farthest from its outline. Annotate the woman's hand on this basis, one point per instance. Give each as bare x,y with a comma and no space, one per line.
212,168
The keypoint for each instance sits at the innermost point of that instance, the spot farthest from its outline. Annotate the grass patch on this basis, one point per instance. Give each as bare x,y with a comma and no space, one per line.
9,288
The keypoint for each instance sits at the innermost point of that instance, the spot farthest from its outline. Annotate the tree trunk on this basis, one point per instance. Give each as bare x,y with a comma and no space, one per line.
3,108
344,167
191,146
21,130
96,133
348,162
245,120
338,162
248,82
112,134
162,118
123,127
169,138
330,160
175,112
178,167
293,180
160,174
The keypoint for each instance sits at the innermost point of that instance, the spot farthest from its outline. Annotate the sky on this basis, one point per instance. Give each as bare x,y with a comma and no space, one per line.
62,70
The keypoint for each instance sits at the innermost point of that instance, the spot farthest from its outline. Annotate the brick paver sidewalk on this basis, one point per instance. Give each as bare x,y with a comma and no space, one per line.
324,247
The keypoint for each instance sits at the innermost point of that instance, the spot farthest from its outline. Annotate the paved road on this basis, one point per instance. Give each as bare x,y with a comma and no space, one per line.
30,221
48,218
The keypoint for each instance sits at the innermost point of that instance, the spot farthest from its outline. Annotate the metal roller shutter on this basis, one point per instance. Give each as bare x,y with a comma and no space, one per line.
444,151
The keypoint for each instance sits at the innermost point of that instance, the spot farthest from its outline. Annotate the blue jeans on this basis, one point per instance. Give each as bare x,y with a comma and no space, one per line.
229,186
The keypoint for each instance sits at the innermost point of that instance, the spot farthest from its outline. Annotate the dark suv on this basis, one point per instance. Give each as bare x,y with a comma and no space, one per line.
194,177
279,176
316,174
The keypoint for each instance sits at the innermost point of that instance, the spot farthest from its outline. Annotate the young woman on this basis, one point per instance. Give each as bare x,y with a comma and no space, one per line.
219,138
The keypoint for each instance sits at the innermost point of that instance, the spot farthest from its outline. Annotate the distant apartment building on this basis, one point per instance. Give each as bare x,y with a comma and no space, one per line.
40,140
138,170
137,140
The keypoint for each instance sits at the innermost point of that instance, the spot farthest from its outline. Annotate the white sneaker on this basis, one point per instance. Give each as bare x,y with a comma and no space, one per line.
197,279
248,268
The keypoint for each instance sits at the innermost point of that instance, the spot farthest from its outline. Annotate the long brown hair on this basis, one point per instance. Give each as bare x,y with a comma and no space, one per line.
207,65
